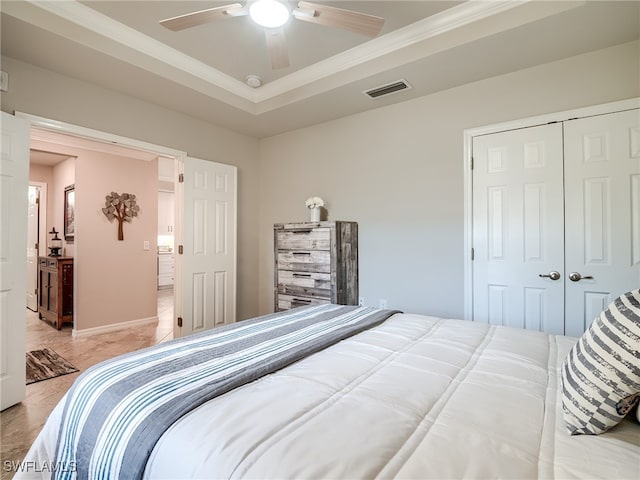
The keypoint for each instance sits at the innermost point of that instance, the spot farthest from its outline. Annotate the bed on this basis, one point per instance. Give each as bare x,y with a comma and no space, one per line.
400,396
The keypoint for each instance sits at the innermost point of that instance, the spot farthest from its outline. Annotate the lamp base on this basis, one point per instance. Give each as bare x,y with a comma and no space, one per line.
55,251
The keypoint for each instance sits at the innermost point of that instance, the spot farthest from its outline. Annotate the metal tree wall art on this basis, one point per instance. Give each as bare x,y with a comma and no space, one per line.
121,207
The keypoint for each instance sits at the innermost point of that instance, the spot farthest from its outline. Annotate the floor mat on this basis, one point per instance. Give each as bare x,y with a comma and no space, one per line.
44,364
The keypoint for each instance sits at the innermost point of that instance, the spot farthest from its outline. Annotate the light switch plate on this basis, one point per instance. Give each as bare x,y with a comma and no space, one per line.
145,245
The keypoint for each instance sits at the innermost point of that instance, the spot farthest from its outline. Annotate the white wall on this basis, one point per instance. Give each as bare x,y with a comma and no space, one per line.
398,172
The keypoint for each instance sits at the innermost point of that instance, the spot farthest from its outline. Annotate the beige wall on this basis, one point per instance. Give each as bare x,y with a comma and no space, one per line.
116,281
398,172
47,94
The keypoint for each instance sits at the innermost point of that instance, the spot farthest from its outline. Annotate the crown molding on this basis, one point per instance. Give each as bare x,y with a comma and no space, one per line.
84,16
79,23
407,36
100,31
426,34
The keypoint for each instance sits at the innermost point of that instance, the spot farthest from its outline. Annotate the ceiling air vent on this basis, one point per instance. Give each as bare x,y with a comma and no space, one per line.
388,89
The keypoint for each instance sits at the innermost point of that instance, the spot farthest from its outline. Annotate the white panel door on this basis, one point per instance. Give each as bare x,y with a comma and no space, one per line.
33,220
602,168
14,182
518,266
208,270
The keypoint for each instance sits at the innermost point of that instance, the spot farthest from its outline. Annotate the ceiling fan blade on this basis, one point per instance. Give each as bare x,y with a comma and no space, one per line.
356,22
277,48
201,17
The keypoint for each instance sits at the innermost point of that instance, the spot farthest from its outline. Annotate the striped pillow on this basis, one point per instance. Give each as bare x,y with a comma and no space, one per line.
601,374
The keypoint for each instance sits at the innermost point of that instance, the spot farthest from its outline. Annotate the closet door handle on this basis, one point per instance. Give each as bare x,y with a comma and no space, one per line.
576,277
552,275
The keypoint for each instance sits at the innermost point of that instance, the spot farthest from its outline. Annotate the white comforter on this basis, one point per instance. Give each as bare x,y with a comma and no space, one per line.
417,397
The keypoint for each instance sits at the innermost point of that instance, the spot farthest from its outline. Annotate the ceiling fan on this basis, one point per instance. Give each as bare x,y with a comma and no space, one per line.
273,14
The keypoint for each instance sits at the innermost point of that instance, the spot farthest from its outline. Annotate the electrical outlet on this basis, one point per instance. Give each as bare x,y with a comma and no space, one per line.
361,301
383,303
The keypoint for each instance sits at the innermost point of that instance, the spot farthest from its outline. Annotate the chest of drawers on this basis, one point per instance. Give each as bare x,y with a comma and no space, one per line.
165,270
315,263
55,290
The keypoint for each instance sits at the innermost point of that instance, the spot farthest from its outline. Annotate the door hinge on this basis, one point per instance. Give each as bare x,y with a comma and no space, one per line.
37,247
180,250
181,178
180,321
471,163
473,254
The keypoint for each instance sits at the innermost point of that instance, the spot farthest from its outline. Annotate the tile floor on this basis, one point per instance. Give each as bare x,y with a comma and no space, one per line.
20,424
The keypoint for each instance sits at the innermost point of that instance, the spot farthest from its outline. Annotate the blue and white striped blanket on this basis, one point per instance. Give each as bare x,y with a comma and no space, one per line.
117,410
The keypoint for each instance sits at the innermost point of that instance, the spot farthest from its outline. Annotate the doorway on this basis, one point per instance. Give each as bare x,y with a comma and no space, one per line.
34,243
206,187
166,224
86,154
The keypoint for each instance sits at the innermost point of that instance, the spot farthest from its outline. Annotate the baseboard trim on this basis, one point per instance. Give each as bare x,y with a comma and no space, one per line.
114,326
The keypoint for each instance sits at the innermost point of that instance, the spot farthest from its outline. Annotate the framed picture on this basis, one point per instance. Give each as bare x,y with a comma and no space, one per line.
69,213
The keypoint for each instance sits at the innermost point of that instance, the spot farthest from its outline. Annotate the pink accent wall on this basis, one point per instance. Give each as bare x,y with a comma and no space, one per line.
116,281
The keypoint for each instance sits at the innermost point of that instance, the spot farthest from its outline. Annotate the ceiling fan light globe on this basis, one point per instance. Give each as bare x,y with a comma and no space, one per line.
269,13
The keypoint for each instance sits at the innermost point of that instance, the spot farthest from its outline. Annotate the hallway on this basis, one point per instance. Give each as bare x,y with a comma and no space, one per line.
21,423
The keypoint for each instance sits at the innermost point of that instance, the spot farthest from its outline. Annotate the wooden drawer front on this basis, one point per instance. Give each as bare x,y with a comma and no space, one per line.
309,239
312,284
305,261
304,279
52,263
286,302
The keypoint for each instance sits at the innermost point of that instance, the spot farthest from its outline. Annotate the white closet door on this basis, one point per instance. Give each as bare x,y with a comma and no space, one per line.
602,168
518,229
208,278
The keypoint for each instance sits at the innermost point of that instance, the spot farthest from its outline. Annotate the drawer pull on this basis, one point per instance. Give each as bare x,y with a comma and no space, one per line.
301,300
301,231
301,253
302,275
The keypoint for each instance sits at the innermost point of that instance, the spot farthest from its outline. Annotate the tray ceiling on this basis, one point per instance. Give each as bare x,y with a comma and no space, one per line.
201,71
